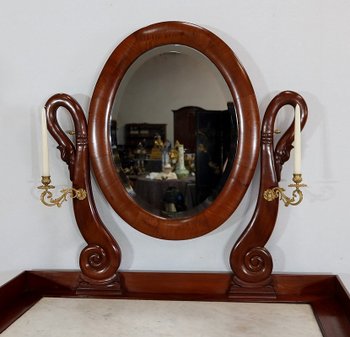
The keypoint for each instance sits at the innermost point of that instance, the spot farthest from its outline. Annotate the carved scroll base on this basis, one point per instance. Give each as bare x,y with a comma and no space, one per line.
252,276
256,280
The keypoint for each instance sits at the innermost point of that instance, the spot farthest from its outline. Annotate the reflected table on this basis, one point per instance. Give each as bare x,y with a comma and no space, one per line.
153,191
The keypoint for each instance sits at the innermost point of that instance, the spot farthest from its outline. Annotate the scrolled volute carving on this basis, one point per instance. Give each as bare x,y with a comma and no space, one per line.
257,264
94,261
252,267
93,257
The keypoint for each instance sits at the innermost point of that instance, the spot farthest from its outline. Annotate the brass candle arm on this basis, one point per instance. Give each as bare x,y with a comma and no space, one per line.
46,196
278,192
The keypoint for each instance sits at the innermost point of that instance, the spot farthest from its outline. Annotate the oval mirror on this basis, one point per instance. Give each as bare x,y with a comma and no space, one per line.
173,131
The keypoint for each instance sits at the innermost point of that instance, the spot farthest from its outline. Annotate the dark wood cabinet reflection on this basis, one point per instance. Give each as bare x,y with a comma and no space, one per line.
212,140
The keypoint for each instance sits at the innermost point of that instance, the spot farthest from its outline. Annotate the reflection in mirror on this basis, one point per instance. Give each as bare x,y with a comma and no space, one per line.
173,131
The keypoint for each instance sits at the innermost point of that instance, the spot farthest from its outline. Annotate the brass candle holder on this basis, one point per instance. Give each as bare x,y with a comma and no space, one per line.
278,192
46,196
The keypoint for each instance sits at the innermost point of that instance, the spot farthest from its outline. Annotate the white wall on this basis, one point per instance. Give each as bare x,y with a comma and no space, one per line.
61,46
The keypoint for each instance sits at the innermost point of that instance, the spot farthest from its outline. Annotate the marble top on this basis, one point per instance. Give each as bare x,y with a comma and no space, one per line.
57,317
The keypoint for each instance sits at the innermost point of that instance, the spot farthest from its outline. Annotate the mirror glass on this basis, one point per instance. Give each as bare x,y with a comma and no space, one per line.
173,131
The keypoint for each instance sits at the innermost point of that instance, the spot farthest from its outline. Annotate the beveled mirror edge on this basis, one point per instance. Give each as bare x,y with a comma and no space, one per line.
248,119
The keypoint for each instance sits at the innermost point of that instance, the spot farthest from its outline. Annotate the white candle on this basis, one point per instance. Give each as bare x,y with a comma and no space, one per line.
297,141
45,149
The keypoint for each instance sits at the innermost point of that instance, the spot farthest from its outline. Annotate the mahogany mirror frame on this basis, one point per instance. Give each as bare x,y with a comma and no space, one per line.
243,168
